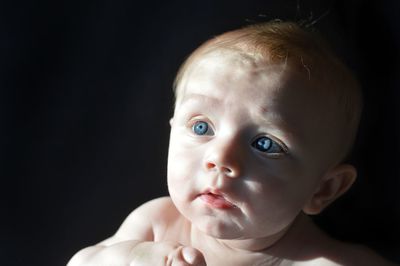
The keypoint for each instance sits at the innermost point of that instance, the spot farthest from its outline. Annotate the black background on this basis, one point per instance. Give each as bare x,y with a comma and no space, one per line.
86,98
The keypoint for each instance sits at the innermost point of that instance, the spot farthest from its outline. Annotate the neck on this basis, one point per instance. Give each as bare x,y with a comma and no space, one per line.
255,244
297,242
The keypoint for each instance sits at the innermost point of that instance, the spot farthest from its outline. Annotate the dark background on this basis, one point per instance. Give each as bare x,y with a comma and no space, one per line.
86,98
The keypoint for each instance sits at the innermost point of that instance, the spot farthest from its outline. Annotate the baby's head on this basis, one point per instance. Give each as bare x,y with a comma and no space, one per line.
288,45
264,117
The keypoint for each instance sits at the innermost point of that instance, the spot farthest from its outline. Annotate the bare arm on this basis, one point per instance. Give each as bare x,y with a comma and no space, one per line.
133,243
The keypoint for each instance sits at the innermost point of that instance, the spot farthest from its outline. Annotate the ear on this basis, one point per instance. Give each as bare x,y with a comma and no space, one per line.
171,121
333,184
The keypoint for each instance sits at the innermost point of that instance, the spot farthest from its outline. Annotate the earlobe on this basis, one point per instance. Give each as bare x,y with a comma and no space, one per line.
334,184
171,121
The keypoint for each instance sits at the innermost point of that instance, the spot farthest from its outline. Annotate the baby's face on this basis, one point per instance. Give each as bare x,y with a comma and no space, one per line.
247,147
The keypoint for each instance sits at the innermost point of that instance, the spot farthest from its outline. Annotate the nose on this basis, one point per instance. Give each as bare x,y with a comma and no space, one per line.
225,157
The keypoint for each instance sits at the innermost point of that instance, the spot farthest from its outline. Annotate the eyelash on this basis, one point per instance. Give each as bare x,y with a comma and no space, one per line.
202,125
279,148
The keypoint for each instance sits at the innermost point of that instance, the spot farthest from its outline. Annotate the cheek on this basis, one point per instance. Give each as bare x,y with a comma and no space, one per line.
269,208
184,166
183,155
278,197
182,161
287,201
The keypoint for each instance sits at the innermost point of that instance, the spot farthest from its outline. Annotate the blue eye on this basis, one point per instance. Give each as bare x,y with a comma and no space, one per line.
200,128
267,145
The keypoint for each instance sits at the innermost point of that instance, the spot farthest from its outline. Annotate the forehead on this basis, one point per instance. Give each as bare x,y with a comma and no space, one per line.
229,72
213,72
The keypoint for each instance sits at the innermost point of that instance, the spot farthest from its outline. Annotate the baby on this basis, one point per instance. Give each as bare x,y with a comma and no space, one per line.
264,117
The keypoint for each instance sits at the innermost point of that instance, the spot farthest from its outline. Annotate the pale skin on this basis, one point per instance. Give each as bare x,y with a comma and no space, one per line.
247,163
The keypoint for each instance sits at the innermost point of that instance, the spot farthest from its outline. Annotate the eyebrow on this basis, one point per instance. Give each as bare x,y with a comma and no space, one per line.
200,97
269,117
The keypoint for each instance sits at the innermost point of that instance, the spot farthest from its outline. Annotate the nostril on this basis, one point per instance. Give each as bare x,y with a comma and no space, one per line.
210,165
227,170
223,169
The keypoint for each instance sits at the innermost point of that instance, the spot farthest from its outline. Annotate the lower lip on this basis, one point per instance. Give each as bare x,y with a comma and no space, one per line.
216,201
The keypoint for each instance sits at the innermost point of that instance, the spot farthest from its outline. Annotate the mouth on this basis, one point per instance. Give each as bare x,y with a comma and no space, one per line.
216,200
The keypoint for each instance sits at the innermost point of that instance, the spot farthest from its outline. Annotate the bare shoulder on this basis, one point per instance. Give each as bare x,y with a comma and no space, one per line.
146,222
352,254
345,254
318,248
348,255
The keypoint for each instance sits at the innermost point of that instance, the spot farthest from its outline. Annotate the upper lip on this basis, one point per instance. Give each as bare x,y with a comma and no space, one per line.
217,192
214,191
